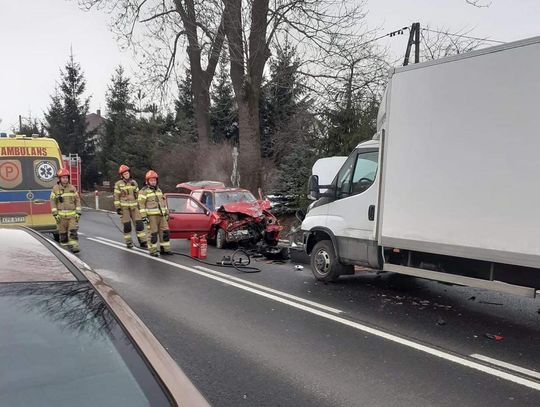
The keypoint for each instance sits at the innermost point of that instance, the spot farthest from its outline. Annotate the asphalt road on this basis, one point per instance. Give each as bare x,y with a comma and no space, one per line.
279,338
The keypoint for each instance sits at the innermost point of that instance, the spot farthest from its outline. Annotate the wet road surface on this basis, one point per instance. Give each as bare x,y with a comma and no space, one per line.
279,338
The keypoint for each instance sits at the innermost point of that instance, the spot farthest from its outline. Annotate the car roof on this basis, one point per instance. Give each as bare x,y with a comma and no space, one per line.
226,190
195,185
27,256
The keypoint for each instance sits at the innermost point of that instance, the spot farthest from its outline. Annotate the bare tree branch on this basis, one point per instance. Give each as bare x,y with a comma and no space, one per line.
158,15
478,3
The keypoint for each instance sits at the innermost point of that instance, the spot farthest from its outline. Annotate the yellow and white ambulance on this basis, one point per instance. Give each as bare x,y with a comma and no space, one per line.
28,167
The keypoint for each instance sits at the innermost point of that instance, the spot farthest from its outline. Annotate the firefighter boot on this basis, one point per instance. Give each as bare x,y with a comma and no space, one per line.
141,235
73,241
127,235
152,245
165,246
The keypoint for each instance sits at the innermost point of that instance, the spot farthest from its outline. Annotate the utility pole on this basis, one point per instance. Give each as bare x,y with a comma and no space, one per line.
20,123
414,39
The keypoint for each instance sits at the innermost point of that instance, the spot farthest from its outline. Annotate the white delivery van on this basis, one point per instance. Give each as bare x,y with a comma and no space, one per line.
449,187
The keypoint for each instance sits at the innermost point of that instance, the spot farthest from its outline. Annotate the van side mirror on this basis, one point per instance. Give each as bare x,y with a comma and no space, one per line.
313,188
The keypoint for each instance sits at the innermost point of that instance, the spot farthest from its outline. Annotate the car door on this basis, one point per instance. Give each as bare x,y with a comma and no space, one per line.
187,216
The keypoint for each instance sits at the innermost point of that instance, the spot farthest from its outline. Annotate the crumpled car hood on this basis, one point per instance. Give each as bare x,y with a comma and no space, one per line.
245,208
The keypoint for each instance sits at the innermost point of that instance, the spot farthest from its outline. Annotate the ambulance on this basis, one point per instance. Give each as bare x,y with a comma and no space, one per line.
28,167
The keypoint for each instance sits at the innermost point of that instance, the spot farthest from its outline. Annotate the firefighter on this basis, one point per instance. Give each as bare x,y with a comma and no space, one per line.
66,209
126,191
155,213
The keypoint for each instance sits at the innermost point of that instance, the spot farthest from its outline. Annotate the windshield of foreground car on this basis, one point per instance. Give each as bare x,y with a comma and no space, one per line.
224,198
61,346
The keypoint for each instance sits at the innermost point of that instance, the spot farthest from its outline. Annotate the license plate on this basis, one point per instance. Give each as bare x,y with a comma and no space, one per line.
12,219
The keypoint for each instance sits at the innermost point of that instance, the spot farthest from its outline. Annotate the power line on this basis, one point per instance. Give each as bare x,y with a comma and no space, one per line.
462,36
390,34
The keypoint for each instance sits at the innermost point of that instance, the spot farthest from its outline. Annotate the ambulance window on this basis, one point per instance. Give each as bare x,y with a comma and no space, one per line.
28,173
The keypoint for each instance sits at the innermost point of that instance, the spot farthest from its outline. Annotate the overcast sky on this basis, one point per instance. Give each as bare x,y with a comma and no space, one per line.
37,36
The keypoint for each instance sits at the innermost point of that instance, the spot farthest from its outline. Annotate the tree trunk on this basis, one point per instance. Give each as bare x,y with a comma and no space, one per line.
246,77
250,141
201,110
200,79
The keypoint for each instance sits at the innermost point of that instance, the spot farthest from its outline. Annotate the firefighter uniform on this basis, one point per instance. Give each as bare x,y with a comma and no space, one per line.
66,209
125,201
153,208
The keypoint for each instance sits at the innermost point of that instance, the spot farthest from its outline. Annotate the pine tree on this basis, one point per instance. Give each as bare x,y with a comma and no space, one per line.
119,126
31,126
289,136
185,116
293,175
349,124
223,114
66,118
281,97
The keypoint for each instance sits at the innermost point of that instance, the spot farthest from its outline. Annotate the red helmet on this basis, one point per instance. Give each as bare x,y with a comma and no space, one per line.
63,172
123,168
150,174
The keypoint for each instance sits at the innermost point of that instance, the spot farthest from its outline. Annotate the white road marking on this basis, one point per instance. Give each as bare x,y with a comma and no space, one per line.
463,361
509,366
271,290
245,282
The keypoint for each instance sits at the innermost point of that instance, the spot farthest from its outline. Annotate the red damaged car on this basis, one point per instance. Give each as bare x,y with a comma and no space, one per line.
225,214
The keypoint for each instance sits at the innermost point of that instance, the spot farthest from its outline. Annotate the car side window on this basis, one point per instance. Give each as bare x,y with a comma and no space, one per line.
183,204
357,174
343,178
207,200
365,171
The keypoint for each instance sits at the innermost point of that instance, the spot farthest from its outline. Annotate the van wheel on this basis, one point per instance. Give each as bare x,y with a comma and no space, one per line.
324,263
220,238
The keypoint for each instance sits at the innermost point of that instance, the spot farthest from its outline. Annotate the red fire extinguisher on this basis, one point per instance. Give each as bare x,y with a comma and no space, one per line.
203,247
194,246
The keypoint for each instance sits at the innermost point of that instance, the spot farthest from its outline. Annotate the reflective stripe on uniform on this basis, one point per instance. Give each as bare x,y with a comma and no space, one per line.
129,204
63,194
154,211
67,213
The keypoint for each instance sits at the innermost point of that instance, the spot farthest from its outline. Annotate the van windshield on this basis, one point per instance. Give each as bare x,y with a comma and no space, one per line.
28,173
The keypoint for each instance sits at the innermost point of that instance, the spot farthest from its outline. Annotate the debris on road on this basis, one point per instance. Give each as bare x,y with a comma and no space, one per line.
472,298
441,322
489,303
298,267
494,337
